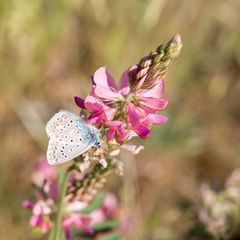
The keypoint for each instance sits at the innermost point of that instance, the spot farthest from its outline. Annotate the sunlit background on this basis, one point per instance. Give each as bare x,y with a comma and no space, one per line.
48,51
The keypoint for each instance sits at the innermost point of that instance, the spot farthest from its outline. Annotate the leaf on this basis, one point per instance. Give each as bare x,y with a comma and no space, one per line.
95,204
106,225
112,236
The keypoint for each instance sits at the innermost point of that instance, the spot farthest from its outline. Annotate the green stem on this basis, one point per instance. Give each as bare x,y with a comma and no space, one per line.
56,231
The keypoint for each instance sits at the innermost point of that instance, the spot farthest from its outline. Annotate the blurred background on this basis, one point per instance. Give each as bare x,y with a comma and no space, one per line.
48,51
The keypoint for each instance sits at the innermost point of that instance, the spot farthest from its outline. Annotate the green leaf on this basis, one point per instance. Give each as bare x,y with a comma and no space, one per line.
112,236
95,204
105,226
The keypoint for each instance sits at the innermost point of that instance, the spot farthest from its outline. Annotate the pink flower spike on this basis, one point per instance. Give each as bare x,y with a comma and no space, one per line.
80,102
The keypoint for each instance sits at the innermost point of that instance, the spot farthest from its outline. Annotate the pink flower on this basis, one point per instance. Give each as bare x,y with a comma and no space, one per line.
45,177
149,100
107,211
141,126
100,113
43,172
119,131
41,211
105,87
76,221
41,222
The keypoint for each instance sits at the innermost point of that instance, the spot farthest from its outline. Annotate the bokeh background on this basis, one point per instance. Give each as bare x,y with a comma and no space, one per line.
49,49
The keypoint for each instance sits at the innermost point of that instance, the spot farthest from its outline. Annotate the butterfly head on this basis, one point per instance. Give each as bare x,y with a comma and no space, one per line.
96,134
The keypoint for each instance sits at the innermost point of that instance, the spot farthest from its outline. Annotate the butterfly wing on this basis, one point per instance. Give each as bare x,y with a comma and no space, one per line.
69,137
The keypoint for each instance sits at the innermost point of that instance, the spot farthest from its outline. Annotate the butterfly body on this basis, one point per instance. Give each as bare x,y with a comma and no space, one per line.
69,136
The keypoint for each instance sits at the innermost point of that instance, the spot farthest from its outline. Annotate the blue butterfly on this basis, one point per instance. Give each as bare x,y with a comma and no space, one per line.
69,136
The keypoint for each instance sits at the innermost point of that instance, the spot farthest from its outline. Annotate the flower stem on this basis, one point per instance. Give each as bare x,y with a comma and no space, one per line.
57,231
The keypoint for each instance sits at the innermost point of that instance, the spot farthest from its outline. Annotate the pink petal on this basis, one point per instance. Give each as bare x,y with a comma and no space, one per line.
36,221
154,119
106,93
27,204
119,130
153,103
140,83
79,101
109,113
133,70
155,92
124,84
114,124
53,190
103,78
110,134
133,118
141,130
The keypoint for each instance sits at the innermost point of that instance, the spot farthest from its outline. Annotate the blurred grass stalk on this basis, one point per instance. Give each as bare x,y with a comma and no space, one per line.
131,196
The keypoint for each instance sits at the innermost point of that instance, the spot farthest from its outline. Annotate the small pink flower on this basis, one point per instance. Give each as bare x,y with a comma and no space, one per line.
41,222
118,130
107,211
100,113
150,101
110,206
141,126
40,218
76,221
43,172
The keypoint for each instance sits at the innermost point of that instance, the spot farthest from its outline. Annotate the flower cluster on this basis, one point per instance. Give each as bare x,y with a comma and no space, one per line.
127,109
123,111
220,211
81,216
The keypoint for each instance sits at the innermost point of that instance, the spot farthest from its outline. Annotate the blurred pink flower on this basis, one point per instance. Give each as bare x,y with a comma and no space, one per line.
41,211
108,211
76,221
43,172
